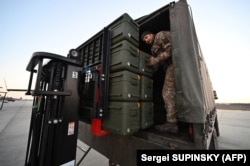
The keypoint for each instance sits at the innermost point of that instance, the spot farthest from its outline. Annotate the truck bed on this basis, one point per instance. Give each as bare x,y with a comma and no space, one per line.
120,148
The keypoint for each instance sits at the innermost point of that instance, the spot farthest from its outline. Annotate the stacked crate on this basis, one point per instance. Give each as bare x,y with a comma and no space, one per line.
146,91
124,82
131,89
130,85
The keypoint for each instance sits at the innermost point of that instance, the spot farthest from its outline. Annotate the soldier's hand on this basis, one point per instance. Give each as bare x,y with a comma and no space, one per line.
152,61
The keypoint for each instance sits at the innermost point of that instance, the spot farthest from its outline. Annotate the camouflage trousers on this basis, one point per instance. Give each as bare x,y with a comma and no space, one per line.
168,94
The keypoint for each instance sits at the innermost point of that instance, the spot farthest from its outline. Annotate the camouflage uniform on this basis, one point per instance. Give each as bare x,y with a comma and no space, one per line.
161,49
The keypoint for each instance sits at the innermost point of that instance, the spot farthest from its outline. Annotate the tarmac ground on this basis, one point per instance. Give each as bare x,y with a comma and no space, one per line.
15,120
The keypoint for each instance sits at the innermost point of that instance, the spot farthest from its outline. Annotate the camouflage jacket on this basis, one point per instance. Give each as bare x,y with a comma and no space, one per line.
161,48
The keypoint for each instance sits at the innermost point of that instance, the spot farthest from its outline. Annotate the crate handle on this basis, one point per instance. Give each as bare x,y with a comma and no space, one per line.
115,64
132,95
115,76
132,65
113,107
115,95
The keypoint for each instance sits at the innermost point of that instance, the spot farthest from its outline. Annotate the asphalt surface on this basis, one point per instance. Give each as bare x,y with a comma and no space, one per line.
15,120
14,130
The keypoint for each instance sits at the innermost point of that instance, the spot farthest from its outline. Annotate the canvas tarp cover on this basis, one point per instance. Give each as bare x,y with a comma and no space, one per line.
194,93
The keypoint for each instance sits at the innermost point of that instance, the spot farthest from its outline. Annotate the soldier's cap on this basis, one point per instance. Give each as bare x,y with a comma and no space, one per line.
145,33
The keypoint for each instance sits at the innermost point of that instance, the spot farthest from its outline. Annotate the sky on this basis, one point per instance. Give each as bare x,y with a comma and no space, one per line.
56,26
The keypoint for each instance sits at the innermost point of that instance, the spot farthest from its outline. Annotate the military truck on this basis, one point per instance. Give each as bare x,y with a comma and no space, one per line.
104,94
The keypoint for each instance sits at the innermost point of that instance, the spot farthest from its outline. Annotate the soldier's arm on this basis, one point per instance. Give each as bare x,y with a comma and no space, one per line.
162,46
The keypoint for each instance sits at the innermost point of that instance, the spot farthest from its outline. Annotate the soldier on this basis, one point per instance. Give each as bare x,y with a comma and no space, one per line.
161,55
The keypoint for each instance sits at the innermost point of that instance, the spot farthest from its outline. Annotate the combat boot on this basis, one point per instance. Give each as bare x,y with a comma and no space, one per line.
168,127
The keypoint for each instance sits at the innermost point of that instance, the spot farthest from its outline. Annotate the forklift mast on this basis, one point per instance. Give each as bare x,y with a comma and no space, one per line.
54,121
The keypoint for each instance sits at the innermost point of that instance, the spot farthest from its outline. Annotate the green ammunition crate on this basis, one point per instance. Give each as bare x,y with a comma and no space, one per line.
146,89
124,118
124,86
143,68
146,115
124,28
124,56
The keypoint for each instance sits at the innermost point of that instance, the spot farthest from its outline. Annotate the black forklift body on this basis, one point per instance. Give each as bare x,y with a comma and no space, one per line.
54,121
